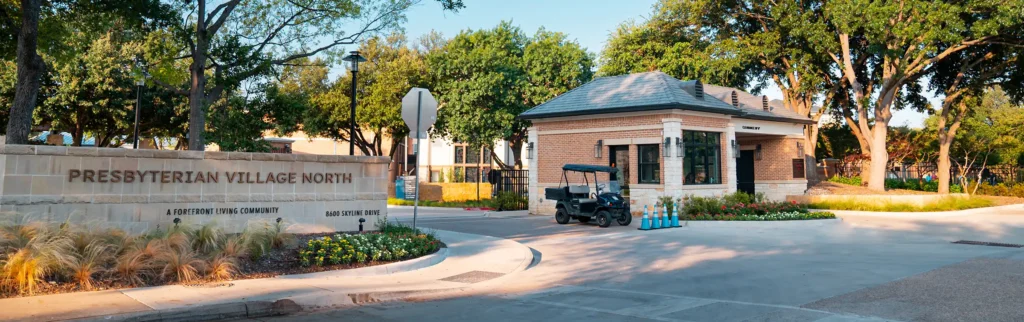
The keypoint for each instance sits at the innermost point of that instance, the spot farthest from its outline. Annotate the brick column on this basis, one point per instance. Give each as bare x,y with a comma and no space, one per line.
730,160
672,164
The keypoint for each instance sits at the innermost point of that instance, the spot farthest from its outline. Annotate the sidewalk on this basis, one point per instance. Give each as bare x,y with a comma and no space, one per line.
469,259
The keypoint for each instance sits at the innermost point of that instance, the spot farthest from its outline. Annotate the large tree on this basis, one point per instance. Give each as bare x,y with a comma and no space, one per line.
20,24
485,78
734,43
94,92
965,76
884,48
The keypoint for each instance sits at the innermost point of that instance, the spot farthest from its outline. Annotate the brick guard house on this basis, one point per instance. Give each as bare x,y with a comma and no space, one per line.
667,137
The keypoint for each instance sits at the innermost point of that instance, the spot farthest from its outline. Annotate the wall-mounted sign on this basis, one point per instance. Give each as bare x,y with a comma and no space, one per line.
131,176
755,128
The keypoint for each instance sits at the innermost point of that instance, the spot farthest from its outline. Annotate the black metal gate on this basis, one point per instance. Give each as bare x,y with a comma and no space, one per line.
514,181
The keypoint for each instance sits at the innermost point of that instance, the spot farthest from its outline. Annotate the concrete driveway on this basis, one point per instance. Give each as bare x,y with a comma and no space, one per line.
860,268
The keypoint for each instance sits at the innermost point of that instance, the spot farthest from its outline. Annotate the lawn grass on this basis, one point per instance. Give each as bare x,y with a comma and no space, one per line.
483,203
944,204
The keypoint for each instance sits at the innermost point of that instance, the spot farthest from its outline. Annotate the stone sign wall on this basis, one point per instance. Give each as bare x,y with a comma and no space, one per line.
141,190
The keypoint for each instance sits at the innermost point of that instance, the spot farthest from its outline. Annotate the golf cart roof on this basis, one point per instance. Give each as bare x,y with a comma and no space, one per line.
588,168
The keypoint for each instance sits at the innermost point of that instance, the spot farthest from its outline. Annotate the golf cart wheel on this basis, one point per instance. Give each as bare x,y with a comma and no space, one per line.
604,218
561,216
625,219
583,219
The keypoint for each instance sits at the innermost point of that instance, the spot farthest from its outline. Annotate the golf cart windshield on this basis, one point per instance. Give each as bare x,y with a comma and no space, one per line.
608,186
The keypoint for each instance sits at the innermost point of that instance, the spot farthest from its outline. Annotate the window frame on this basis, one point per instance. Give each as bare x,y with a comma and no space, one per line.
641,164
711,157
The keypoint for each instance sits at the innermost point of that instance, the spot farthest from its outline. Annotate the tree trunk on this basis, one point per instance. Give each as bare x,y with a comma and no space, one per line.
197,91
944,165
810,144
517,152
30,71
879,157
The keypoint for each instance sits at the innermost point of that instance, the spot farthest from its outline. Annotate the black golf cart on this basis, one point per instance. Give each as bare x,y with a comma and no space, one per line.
603,203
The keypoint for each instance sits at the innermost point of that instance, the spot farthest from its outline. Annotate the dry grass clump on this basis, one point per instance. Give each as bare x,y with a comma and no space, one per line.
34,253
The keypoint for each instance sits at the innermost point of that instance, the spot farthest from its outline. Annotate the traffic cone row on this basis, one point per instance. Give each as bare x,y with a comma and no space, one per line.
656,221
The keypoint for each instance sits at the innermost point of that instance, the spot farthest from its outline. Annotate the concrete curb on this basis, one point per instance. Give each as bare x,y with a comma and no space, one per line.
387,269
234,310
926,215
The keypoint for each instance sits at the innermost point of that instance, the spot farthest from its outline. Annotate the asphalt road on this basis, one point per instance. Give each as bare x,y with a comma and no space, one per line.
860,269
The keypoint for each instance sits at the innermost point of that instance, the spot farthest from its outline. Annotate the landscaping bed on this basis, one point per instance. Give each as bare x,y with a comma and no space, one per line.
37,258
858,199
740,206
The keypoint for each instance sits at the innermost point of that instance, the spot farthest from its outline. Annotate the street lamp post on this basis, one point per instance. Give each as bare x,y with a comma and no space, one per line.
138,106
355,58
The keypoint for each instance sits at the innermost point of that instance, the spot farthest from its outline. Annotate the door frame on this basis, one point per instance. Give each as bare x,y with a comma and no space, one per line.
753,172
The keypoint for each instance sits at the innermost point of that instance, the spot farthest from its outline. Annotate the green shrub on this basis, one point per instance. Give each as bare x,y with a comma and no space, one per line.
508,201
943,204
393,245
1001,189
853,181
795,215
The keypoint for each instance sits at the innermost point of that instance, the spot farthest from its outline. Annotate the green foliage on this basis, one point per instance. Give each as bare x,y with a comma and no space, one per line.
668,42
486,78
853,181
508,201
836,141
944,204
931,186
391,70
737,204
393,243
1001,189
794,215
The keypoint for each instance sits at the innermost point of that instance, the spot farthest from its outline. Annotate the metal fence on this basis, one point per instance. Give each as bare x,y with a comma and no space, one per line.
515,181
991,174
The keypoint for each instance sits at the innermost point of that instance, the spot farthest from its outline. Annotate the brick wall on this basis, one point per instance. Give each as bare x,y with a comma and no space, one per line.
555,150
776,158
611,121
703,121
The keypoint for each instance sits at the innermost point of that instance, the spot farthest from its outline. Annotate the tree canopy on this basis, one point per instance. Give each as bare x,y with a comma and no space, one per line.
486,78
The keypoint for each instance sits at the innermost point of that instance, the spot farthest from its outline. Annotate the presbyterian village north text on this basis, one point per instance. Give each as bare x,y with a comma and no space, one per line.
132,176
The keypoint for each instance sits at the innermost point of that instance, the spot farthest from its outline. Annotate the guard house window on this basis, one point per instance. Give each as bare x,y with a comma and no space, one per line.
702,161
650,171
460,154
473,155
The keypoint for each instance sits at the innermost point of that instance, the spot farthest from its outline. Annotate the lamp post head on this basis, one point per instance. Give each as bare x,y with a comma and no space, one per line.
355,58
142,80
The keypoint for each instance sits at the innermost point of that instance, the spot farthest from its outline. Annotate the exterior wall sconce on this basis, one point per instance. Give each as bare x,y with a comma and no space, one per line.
735,149
597,148
680,148
757,152
529,150
800,149
667,147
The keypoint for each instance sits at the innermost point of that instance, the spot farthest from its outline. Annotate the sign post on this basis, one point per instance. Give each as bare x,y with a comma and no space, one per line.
419,110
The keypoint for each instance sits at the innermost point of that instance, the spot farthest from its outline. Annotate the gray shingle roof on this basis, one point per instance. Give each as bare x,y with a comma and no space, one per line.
655,91
633,92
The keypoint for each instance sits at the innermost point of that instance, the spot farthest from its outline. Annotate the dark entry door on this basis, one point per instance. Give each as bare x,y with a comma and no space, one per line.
745,172
618,157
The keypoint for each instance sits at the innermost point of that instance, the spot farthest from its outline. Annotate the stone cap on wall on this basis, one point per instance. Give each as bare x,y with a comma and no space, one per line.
17,149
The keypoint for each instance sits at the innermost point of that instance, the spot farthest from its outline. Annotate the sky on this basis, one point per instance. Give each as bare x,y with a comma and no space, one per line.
589,22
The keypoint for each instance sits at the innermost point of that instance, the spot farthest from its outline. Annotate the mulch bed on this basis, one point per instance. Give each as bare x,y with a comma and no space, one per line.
276,263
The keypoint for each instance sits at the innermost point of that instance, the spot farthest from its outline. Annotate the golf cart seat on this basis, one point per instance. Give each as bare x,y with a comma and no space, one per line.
582,193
